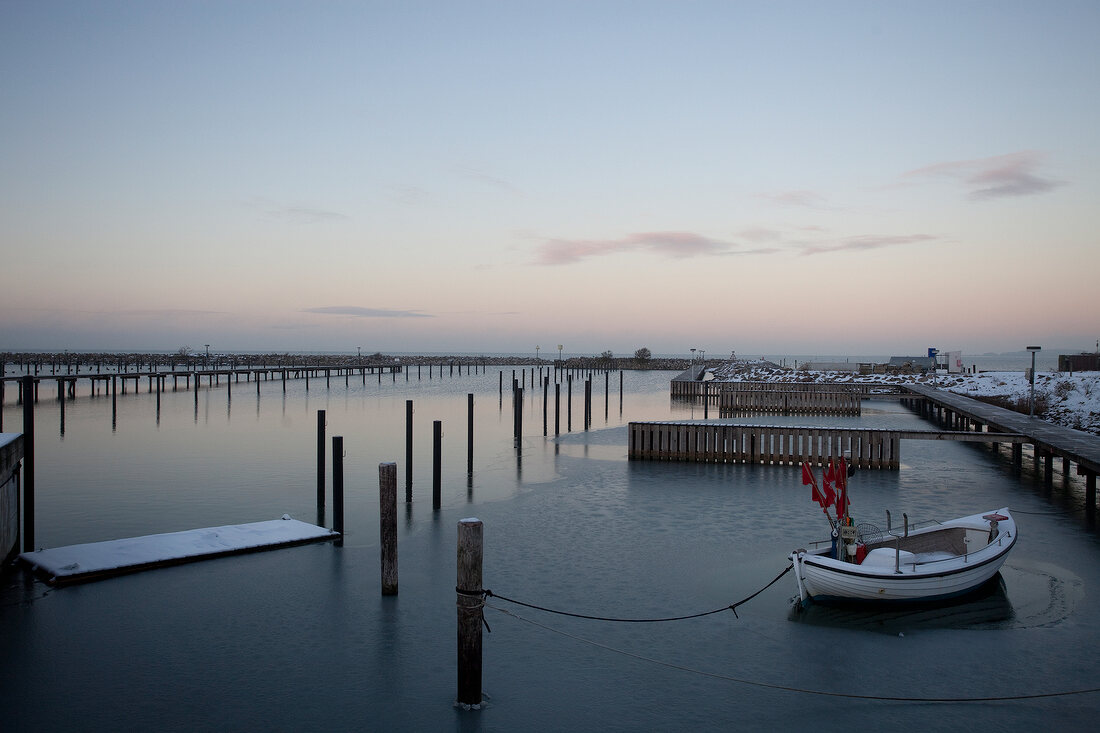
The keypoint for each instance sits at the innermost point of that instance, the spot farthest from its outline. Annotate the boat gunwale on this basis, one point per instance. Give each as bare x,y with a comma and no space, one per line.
815,561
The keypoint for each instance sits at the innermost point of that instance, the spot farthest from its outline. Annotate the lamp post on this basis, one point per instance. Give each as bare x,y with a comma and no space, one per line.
559,353
693,363
206,358
537,354
1031,398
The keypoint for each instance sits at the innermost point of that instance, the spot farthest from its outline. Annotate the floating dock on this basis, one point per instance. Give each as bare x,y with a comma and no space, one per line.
96,560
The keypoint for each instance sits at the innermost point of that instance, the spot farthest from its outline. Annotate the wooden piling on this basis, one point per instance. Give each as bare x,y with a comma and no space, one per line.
470,434
557,408
517,415
470,603
437,463
320,461
387,525
338,484
408,451
28,466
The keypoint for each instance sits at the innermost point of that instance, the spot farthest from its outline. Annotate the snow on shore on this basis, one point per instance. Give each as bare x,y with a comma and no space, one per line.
1072,401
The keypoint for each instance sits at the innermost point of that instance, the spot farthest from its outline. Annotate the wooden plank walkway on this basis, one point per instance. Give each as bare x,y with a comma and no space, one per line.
96,560
1049,439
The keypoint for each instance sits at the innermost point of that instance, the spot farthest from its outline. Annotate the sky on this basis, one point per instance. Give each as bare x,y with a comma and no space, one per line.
762,177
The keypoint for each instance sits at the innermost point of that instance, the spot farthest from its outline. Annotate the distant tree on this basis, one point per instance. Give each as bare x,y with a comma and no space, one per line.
183,351
643,354
606,359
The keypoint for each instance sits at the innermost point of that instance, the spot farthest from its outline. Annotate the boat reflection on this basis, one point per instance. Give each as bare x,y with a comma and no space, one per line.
987,607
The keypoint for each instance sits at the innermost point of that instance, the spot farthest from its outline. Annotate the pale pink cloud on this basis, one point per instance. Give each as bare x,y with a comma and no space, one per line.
1001,175
759,234
794,198
668,244
865,242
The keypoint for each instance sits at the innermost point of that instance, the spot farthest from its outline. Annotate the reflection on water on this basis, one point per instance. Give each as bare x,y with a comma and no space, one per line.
570,523
987,607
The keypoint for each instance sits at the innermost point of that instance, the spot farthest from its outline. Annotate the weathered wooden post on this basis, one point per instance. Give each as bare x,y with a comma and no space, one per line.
517,414
387,525
437,463
587,403
557,408
469,433
338,483
569,403
28,465
470,603
408,451
545,403
320,462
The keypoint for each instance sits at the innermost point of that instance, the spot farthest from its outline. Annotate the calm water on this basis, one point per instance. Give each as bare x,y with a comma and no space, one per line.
301,638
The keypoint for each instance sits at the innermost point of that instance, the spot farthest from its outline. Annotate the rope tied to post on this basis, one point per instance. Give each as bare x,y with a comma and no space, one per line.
486,593
480,605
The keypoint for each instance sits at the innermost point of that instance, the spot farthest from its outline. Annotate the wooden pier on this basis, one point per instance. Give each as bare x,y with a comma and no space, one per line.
725,442
1049,441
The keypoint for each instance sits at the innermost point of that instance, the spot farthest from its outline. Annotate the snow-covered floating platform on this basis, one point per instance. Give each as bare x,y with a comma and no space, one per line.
96,560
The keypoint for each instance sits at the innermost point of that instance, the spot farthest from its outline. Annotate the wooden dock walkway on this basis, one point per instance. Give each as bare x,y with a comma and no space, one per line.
96,560
111,382
1049,440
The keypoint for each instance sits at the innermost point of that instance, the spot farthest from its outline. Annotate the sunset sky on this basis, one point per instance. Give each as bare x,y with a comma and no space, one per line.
771,177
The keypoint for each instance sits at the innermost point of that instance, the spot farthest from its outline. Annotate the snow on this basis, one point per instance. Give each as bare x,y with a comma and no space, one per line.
1069,400
116,556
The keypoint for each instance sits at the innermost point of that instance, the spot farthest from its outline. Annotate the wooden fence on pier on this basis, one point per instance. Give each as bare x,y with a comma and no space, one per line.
713,442
774,398
735,402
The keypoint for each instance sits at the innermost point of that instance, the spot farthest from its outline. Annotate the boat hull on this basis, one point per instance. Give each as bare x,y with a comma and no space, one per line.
824,579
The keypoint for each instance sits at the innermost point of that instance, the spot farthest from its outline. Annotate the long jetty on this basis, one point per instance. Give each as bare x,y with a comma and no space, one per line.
1074,447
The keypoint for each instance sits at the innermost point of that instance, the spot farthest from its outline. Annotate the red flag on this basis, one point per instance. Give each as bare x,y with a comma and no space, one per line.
828,480
841,475
808,479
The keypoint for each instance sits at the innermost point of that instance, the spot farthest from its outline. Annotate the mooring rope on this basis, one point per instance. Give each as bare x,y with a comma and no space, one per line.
486,593
789,688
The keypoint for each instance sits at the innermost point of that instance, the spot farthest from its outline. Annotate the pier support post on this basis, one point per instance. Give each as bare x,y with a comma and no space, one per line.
470,434
557,408
387,525
28,465
1090,493
437,463
470,604
338,483
408,451
569,403
321,464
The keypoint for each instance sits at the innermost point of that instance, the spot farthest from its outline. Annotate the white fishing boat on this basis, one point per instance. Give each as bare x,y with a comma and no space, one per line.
927,562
